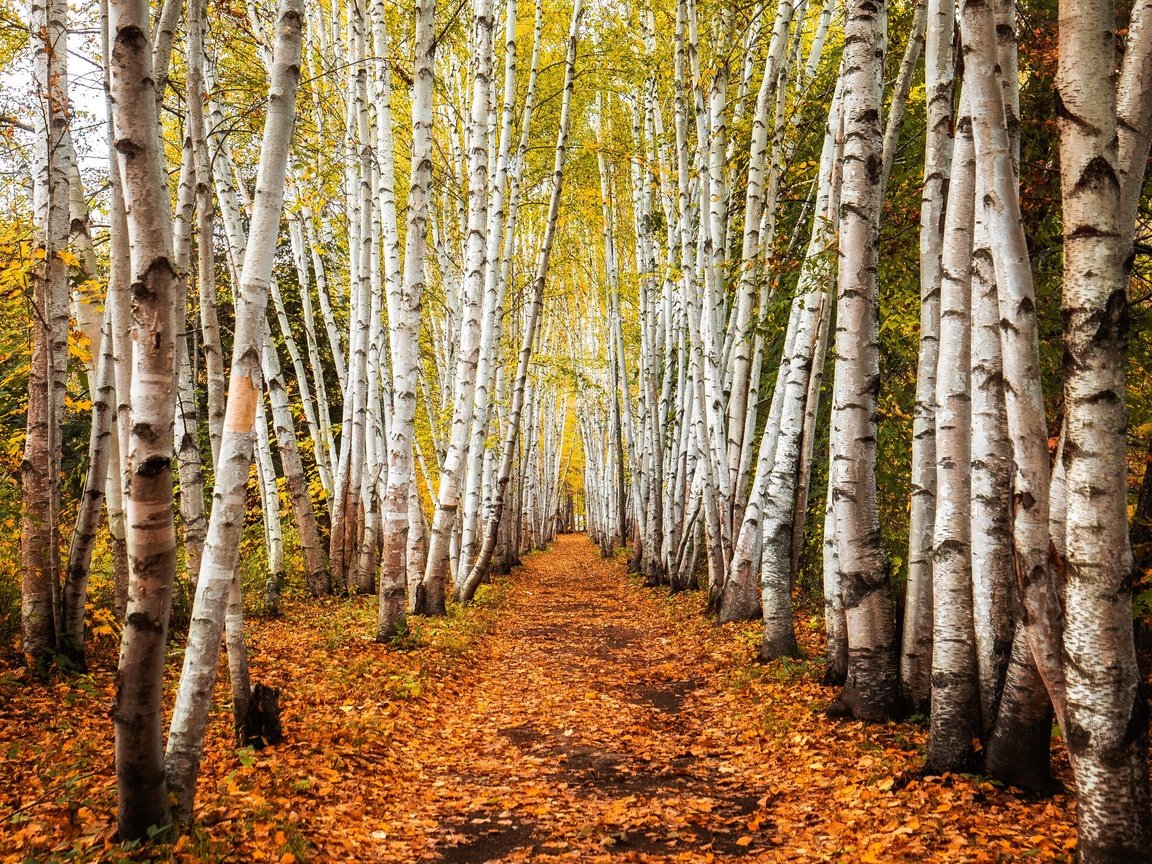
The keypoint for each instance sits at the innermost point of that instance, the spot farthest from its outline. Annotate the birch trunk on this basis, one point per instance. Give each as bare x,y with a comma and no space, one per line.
118,299
101,444
186,442
151,534
916,648
404,331
273,529
870,688
798,370
432,587
1018,749
1106,722
193,699
94,326
955,710
991,473
40,469
1024,400
205,247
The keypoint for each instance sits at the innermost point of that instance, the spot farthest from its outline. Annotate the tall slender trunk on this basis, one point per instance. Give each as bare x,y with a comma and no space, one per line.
193,699
404,330
205,246
1106,723
798,370
270,517
432,588
100,447
94,326
119,311
151,531
1024,400
939,75
955,718
186,442
870,688
991,473
40,469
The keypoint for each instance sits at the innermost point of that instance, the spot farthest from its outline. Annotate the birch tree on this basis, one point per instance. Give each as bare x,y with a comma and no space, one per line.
915,655
431,597
1105,721
870,687
40,469
148,459
403,335
954,718
221,551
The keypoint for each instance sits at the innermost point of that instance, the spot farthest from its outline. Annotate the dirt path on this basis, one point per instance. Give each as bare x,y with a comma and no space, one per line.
590,738
606,722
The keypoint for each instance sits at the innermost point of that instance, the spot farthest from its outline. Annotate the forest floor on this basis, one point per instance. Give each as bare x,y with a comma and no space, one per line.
569,715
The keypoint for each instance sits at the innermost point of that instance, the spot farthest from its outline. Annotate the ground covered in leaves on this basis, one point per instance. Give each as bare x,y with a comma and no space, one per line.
570,715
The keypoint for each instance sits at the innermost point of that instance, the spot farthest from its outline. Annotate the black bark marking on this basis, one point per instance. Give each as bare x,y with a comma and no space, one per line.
153,466
1062,113
144,622
1098,176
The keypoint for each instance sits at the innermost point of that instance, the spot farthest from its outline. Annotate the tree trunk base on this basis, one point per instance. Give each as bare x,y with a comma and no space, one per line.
261,726
870,687
775,646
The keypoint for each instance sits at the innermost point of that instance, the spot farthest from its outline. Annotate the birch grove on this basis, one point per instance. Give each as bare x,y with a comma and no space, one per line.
833,312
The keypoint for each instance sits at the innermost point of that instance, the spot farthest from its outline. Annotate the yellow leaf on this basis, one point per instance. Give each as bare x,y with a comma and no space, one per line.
744,841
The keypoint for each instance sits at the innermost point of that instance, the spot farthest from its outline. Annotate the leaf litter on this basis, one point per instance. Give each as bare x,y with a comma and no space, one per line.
569,715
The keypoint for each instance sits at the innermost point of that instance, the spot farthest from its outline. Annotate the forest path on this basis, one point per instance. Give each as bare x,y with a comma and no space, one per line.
594,738
601,721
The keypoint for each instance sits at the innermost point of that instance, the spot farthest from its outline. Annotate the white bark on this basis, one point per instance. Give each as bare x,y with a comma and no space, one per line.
193,700
955,715
797,370
404,327
432,588
916,648
991,472
1105,723
1024,401
40,468
151,534
870,688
